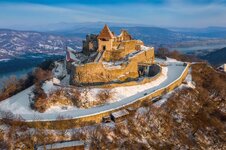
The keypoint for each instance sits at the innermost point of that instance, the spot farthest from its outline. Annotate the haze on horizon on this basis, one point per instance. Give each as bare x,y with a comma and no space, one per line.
161,13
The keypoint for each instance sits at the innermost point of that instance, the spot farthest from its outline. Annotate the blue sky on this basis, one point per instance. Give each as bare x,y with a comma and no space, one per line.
163,13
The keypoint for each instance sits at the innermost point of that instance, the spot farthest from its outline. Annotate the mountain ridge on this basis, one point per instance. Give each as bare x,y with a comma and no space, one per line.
216,57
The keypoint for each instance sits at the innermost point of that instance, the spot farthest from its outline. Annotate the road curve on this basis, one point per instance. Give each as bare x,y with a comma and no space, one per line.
175,71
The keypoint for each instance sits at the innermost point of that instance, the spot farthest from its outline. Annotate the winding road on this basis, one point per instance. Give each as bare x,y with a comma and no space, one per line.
175,70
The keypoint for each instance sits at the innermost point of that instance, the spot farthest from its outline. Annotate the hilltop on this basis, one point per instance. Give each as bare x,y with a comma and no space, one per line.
187,118
115,94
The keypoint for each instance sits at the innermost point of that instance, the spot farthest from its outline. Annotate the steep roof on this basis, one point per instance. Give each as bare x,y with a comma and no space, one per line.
106,33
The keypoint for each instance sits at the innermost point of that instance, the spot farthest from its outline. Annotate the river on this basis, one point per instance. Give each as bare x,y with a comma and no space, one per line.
20,66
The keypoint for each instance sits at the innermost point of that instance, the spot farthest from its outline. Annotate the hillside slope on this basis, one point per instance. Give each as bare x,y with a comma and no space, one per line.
16,43
190,119
216,58
155,36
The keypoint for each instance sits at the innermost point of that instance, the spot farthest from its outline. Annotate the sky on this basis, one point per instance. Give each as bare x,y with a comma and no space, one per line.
161,13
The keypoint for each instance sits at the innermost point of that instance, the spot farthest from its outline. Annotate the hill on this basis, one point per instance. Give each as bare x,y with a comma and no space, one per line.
15,43
209,32
154,36
188,119
157,36
216,57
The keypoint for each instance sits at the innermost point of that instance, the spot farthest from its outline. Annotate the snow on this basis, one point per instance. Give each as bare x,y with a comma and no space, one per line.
55,81
144,48
3,34
66,80
171,60
120,93
49,85
123,92
113,65
61,145
19,104
60,70
61,108
4,60
168,61
189,81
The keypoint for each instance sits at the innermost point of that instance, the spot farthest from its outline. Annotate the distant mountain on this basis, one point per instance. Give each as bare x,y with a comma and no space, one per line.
17,43
154,36
71,26
216,58
209,32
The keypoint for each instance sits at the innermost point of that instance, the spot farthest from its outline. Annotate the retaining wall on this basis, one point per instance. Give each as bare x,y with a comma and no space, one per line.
97,118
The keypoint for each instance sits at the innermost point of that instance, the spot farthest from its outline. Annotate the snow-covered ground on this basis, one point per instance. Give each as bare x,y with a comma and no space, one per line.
19,104
49,86
120,93
60,69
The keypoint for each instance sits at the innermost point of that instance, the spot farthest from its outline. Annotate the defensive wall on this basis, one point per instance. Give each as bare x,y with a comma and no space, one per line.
98,73
121,49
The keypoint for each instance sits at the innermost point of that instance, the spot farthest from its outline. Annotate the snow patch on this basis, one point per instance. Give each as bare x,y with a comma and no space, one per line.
49,85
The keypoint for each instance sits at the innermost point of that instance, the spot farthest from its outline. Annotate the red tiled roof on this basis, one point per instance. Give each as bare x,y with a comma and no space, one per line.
106,33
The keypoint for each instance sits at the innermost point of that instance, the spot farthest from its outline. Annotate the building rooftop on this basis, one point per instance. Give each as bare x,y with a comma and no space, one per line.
106,33
120,113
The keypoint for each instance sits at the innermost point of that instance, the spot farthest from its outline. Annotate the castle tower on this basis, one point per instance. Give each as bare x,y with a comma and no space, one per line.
105,39
125,35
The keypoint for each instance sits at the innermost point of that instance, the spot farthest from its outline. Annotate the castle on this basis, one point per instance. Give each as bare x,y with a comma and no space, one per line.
107,58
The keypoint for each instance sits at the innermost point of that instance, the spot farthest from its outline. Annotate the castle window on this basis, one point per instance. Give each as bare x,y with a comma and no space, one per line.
104,40
104,47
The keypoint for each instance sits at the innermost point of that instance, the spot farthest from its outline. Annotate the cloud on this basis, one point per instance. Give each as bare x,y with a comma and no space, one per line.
113,2
86,2
170,13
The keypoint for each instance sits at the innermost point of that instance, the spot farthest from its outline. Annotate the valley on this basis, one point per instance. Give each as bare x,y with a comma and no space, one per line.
22,65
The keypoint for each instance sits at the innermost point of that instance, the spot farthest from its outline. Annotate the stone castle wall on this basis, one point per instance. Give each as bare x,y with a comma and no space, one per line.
98,73
108,44
90,44
122,49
